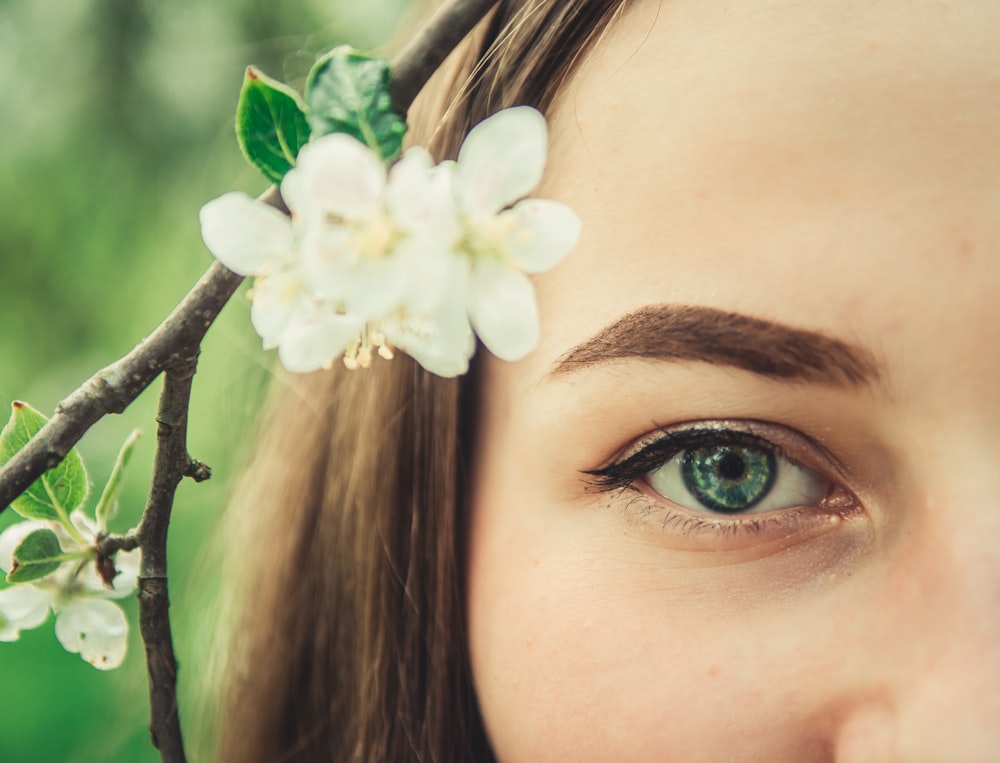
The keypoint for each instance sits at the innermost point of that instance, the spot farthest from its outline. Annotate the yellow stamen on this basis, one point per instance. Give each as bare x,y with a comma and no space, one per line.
365,356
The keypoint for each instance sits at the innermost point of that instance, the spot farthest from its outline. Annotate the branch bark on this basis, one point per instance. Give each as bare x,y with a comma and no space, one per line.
171,464
421,57
112,389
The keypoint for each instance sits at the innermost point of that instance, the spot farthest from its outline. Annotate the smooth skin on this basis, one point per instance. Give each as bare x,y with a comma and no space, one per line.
831,166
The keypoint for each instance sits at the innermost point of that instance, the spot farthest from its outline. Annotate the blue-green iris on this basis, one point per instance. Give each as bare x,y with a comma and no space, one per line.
729,478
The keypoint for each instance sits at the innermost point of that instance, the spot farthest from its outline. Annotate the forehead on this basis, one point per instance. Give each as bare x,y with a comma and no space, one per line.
833,165
733,76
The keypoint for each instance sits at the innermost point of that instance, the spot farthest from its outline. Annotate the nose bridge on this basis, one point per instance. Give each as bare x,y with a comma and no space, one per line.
942,615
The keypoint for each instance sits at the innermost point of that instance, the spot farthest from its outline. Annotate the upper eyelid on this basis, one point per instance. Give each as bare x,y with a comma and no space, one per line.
678,440
787,440
666,432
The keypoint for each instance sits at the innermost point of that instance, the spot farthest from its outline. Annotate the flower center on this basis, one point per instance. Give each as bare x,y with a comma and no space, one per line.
375,238
488,239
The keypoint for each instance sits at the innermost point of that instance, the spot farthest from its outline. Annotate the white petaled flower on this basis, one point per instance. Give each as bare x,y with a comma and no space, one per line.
254,239
507,236
362,246
87,621
441,341
411,258
371,241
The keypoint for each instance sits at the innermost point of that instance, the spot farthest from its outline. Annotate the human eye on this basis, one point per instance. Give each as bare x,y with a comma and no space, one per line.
726,477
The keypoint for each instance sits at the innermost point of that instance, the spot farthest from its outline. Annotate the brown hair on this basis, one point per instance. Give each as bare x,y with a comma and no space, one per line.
350,640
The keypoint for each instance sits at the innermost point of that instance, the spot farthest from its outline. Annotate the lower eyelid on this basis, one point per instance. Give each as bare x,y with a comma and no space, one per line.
765,533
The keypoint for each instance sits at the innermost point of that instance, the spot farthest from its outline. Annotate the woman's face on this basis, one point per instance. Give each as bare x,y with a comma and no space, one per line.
743,502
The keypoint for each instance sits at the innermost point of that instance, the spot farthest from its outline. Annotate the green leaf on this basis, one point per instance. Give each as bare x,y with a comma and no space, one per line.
271,124
348,91
38,555
61,489
107,507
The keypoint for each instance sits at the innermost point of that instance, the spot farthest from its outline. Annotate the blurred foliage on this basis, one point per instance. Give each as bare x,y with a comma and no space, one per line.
115,126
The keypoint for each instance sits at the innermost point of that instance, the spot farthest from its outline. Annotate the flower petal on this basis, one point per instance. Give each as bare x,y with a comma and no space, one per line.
83,523
406,188
431,273
292,193
419,198
127,563
325,252
366,283
94,628
338,175
440,356
245,235
544,232
22,607
277,300
374,287
316,338
502,309
442,343
501,160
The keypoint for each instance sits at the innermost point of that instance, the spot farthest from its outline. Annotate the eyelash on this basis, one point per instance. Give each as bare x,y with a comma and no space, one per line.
631,471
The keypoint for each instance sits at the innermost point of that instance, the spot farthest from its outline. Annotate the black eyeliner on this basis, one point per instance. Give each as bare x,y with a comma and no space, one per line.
623,473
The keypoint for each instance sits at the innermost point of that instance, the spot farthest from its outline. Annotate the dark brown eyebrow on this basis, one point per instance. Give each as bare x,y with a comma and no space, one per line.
709,335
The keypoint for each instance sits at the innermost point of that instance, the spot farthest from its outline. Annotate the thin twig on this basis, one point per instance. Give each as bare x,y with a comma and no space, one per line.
421,57
109,545
170,466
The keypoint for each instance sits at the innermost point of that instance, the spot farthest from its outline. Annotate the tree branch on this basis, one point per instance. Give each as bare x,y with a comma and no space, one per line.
112,389
171,465
421,57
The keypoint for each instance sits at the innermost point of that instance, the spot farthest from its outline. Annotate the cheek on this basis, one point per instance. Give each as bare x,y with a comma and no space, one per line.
583,648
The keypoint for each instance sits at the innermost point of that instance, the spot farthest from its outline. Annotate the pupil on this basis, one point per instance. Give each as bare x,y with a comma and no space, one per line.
731,466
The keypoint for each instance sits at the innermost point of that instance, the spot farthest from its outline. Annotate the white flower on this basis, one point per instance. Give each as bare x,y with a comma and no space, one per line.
87,623
22,607
247,236
252,238
376,260
500,162
361,246
371,241
442,341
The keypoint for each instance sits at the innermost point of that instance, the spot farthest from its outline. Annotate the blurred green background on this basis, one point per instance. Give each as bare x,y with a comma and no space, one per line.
115,126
